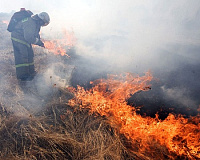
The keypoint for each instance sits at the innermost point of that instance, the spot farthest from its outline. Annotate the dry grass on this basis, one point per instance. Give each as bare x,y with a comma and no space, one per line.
59,132
56,130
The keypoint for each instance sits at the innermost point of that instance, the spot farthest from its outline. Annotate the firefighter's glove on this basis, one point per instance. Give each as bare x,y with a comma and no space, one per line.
41,44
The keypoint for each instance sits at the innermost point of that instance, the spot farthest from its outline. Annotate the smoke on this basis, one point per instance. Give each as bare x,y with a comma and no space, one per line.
130,36
23,98
135,36
178,95
125,32
56,75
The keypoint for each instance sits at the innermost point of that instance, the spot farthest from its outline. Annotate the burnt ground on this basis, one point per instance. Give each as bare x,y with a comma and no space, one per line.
58,131
157,100
173,91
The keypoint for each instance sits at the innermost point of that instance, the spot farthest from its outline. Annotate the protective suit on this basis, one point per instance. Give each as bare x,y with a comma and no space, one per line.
26,33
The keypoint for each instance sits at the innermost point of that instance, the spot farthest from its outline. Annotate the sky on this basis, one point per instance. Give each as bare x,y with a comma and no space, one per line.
130,35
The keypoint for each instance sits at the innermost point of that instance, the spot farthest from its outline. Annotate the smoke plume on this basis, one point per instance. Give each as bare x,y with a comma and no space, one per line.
131,36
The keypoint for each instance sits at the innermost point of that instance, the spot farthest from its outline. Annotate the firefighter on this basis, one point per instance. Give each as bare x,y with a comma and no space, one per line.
25,34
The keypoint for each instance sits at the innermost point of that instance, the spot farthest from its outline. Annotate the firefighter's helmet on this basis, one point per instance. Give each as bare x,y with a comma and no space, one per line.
45,17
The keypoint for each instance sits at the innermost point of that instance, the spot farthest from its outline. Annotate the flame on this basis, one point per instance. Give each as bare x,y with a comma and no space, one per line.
55,47
198,109
6,22
58,46
108,98
71,40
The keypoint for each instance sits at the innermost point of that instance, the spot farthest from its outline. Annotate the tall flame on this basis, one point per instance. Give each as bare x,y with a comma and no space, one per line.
60,46
108,98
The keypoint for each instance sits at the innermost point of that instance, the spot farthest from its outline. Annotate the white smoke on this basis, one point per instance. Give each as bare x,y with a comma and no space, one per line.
56,75
179,96
123,32
126,35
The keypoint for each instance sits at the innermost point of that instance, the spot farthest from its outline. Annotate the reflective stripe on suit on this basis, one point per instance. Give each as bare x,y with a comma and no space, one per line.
23,60
23,51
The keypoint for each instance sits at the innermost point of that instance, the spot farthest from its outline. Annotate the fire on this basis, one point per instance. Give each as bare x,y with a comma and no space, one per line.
71,40
58,46
108,98
55,47
6,22
198,109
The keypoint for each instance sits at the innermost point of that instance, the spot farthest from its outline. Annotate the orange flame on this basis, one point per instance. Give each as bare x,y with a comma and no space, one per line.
6,22
198,109
58,46
108,98
55,47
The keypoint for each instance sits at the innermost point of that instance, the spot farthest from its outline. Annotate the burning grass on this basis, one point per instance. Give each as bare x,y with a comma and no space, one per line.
100,125
174,137
55,130
61,131
89,124
54,135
